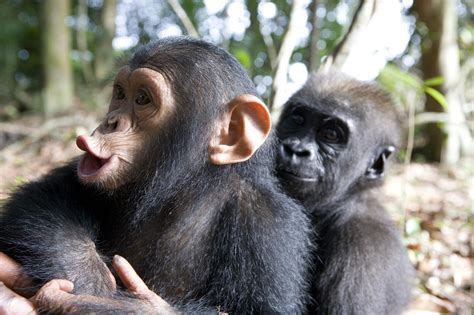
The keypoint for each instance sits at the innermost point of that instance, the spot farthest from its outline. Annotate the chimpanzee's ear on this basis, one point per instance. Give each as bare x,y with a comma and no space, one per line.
243,129
377,169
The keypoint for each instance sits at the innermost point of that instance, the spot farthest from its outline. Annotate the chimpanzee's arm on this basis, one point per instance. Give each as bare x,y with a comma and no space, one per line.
261,256
46,228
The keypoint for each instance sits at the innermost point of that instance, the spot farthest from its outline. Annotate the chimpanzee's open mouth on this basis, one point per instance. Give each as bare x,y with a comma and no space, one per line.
91,164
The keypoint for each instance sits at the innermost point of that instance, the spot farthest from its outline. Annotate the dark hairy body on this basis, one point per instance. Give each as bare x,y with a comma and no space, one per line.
336,135
178,180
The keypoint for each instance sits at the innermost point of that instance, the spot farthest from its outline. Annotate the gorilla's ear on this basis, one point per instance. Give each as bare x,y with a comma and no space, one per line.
377,169
242,130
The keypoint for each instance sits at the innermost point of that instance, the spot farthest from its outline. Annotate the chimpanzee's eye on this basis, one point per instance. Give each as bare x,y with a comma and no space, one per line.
142,98
119,94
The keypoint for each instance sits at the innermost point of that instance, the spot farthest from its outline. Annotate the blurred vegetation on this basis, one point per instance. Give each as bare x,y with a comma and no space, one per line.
253,31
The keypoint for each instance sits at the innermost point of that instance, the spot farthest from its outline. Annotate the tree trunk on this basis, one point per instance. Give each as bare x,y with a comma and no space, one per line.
440,57
81,38
104,61
58,83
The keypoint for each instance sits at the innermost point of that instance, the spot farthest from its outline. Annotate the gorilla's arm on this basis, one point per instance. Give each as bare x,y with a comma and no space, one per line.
372,251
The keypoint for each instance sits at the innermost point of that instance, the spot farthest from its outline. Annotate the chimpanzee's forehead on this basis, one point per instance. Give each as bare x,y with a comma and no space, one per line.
127,73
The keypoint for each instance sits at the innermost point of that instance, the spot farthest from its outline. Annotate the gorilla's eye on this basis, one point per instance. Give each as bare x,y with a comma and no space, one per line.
331,134
142,98
119,94
297,118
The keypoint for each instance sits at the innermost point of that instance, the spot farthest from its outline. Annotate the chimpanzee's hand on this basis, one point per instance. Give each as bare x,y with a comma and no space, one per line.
56,296
137,287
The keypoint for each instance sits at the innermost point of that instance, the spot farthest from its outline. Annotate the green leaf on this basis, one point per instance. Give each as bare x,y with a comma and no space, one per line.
393,74
20,180
409,79
434,81
243,57
437,96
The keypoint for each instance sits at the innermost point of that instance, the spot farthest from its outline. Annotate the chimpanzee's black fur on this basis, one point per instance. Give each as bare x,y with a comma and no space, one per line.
203,237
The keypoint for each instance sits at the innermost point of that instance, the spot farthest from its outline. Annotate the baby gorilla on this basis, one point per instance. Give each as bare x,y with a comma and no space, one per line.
336,135
171,180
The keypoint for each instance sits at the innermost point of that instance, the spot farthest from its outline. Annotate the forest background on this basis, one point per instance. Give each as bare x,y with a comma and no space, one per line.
58,58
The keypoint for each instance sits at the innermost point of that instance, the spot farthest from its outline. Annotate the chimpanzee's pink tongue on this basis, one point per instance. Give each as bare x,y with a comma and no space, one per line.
81,143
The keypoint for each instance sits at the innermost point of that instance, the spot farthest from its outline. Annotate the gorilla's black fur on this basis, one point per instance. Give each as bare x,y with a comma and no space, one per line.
336,135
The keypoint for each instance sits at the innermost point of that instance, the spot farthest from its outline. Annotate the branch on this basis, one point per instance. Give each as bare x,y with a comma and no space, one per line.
183,17
431,117
362,17
283,61
313,41
271,50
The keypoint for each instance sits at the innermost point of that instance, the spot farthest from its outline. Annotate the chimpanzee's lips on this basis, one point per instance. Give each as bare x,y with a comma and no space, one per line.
91,163
293,175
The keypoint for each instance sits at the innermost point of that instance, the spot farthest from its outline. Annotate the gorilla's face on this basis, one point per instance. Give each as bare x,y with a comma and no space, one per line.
336,134
330,148
310,149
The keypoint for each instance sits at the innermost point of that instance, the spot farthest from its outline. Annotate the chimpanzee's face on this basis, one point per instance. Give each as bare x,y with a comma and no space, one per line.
141,103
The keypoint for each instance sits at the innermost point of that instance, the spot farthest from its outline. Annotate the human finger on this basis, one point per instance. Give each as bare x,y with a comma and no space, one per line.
14,304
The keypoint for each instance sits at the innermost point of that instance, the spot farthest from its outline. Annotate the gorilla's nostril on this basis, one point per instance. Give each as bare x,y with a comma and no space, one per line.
286,150
304,153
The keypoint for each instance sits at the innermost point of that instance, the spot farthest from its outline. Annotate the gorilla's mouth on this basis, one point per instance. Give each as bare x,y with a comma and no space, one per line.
293,175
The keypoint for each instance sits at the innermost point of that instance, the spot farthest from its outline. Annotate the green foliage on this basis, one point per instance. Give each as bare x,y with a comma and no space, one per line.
408,89
243,57
20,180
21,31
19,55
397,81
434,81
436,95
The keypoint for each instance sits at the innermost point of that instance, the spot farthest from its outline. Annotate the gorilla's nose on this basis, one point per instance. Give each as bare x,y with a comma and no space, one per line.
295,149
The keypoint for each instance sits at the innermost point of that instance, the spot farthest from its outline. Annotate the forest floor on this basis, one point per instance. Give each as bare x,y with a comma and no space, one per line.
434,205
